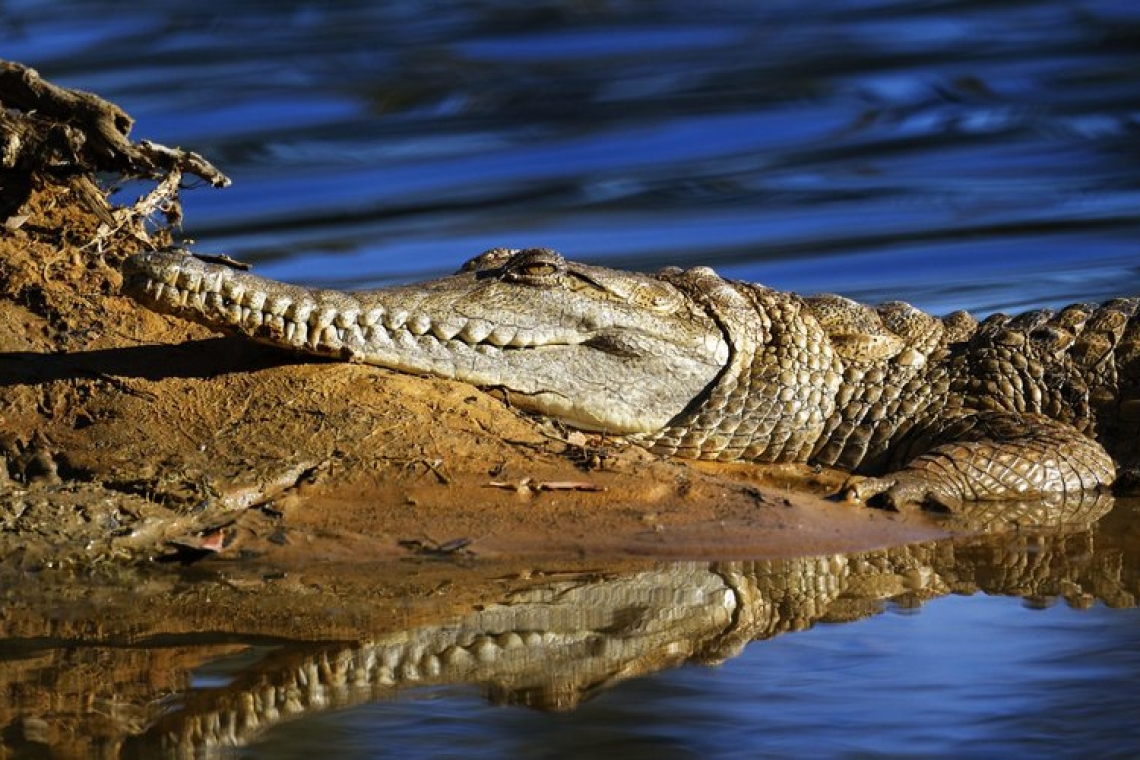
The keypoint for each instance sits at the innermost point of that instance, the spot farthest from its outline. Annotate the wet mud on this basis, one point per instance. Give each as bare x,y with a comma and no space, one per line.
130,436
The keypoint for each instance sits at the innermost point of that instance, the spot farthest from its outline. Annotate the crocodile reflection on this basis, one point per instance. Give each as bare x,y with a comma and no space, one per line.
551,646
112,678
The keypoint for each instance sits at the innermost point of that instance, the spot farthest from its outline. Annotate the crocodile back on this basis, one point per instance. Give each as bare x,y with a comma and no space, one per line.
905,372
1079,365
895,375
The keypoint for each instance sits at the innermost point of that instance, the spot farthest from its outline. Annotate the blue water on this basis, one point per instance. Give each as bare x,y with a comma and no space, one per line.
965,676
969,154
962,154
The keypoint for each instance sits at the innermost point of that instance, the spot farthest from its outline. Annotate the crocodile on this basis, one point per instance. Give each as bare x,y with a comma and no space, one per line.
935,411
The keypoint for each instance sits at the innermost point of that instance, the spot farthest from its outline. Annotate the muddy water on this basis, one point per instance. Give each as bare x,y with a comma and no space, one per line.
968,155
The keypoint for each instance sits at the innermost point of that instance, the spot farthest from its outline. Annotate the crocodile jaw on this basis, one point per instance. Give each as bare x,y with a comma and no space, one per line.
580,354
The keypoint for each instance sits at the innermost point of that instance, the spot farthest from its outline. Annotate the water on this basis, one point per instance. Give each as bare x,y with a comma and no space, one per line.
1025,642
972,154
976,155
854,689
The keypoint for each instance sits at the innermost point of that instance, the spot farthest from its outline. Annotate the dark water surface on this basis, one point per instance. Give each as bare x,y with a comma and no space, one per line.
979,155
959,154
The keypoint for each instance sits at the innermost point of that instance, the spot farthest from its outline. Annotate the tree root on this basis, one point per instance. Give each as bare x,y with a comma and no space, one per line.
86,132
67,136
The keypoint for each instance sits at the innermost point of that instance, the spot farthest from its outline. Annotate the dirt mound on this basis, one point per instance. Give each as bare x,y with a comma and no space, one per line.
129,435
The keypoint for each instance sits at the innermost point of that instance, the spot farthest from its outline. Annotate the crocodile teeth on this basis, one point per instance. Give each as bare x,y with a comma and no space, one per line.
299,311
277,305
385,675
509,640
188,280
232,290
254,299
419,324
370,318
485,650
430,666
521,340
409,671
213,282
345,318
404,340
323,317
456,657
502,336
414,652
447,328
475,331
395,320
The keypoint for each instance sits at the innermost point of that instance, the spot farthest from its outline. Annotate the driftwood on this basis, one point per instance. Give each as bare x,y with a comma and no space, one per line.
79,130
68,137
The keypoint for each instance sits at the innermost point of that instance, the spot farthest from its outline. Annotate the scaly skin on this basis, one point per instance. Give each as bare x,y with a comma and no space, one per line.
686,363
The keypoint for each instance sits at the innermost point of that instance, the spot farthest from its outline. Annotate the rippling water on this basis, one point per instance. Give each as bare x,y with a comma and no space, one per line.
963,154
966,154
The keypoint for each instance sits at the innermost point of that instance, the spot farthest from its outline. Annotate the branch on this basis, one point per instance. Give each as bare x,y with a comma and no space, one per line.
95,131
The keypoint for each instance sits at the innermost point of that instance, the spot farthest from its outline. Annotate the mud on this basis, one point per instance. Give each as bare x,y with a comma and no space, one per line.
130,436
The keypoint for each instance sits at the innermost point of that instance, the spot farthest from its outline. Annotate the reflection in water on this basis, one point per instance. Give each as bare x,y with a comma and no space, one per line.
547,642
1056,510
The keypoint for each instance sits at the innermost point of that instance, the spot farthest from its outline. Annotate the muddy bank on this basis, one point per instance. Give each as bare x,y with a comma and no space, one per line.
125,431
127,435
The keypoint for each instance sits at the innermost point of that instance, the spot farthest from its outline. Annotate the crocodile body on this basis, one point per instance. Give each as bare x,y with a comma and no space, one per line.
686,363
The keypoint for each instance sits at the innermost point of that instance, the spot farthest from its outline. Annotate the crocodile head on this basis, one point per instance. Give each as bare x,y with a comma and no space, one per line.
598,348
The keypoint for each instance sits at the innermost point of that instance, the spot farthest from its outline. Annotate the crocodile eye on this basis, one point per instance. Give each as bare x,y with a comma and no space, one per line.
656,297
493,259
534,266
537,269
